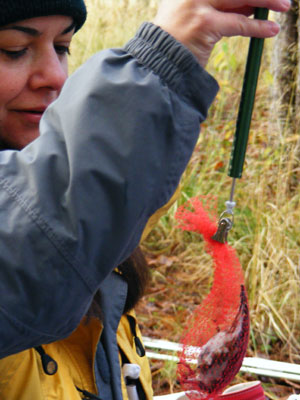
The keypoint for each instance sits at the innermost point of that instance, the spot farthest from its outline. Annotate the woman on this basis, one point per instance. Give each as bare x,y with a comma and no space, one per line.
34,62
30,87
74,202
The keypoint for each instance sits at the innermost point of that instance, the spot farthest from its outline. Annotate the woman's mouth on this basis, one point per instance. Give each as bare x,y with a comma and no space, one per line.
32,116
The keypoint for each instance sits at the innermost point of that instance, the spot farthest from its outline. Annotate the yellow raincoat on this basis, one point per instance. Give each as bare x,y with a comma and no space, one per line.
22,376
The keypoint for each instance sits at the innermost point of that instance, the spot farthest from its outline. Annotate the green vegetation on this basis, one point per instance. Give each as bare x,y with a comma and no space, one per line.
266,232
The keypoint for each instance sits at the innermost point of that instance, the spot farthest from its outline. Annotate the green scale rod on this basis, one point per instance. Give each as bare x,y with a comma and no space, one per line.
243,123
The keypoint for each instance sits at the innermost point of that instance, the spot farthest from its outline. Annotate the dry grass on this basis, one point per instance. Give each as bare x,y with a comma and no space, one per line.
267,217
109,24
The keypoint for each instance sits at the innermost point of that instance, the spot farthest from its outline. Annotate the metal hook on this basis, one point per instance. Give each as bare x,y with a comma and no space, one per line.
225,223
224,226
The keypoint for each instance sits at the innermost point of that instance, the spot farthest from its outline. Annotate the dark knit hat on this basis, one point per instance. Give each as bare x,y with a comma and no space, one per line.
17,10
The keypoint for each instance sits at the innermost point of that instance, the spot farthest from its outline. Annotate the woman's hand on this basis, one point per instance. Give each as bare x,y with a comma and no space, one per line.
200,24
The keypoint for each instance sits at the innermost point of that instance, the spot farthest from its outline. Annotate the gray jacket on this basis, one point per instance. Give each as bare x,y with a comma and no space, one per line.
74,203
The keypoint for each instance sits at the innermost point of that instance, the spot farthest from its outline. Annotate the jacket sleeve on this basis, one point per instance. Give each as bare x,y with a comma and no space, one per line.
73,204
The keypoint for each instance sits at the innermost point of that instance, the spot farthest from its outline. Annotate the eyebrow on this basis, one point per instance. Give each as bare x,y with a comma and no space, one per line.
29,31
69,28
35,32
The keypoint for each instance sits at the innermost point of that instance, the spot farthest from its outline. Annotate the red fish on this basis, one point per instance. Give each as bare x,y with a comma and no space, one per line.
217,335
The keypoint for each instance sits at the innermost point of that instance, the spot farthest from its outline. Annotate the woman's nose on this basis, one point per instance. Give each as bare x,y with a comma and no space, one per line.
49,71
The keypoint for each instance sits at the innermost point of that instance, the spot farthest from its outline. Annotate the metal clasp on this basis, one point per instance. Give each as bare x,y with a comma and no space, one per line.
225,223
224,226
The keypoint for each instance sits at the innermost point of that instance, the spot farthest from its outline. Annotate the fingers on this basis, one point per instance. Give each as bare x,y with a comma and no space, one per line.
235,5
233,24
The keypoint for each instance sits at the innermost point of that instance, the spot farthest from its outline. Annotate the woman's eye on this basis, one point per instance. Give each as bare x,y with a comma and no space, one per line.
14,54
62,49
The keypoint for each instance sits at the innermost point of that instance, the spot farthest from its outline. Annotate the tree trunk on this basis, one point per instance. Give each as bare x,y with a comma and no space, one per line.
286,69
286,94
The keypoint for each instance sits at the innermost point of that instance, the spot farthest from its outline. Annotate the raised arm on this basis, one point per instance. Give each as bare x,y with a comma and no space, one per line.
74,202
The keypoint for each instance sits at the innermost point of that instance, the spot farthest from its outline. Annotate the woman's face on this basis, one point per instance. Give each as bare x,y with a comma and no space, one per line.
33,68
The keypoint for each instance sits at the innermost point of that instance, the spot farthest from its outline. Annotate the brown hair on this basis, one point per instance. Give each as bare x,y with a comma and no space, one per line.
136,273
